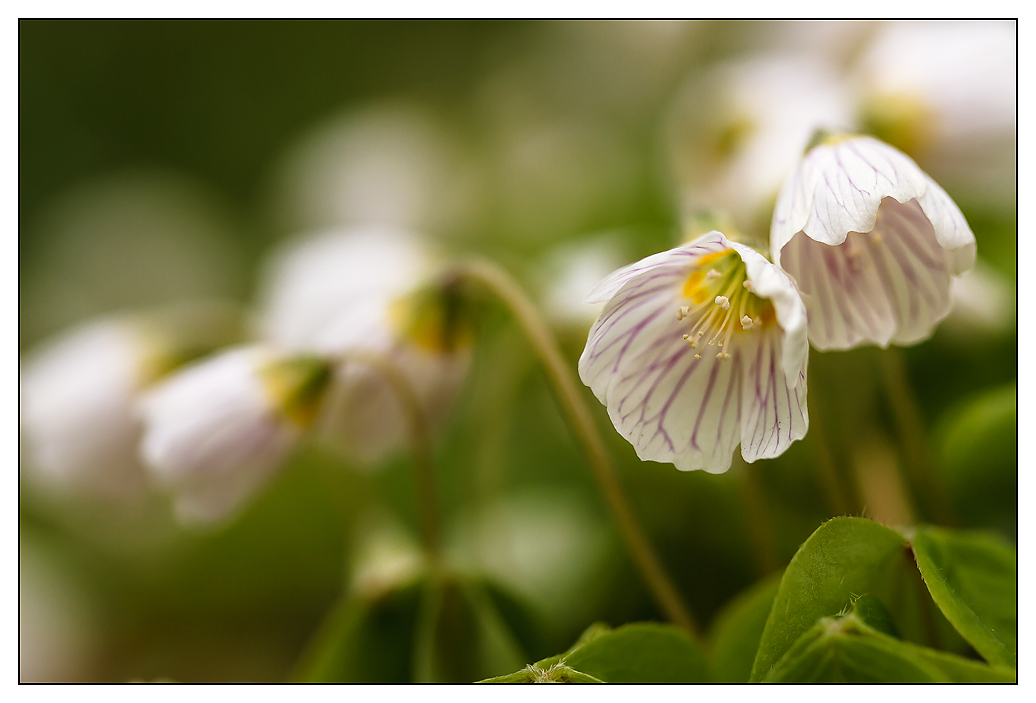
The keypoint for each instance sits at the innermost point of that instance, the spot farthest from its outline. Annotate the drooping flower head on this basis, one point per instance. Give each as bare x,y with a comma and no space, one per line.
78,393
872,242
216,431
699,348
368,290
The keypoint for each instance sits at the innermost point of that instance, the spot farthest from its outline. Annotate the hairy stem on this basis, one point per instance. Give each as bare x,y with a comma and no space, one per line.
577,414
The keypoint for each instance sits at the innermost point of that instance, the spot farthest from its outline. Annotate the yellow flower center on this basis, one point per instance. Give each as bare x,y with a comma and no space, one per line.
721,303
297,386
430,319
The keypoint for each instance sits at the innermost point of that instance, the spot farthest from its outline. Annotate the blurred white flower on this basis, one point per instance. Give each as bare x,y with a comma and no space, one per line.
364,290
872,242
983,301
574,268
78,392
700,348
736,130
388,164
77,416
217,430
946,93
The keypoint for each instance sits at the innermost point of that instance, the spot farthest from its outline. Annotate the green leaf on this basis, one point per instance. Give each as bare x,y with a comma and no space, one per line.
870,610
847,650
642,653
973,577
738,628
842,560
977,457
635,653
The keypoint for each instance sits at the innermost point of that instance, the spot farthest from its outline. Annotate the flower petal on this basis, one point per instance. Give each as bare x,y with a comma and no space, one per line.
773,399
212,435
891,285
681,404
837,188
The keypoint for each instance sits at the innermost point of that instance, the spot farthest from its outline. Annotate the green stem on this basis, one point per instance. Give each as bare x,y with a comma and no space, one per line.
835,484
581,422
420,446
907,415
760,522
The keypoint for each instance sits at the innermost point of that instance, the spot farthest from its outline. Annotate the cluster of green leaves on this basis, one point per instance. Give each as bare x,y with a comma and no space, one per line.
859,602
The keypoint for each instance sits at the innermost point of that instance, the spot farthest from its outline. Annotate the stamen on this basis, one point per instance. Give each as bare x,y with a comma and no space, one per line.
723,302
747,322
682,312
722,355
748,285
713,273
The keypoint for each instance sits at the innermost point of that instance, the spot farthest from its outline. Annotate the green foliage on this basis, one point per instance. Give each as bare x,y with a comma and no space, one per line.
973,577
635,653
977,457
735,633
843,559
847,650
357,642
460,635
856,565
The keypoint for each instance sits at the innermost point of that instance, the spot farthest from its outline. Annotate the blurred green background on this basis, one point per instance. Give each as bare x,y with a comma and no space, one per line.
160,161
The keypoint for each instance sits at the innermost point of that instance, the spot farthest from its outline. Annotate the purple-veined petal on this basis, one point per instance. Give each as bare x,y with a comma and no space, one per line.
837,188
872,242
680,402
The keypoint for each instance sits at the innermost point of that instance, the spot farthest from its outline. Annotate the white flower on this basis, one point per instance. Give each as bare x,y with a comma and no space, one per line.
78,393
573,268
363,290
216,431
699,348
958,75
77,408
736,130
872,242
386,163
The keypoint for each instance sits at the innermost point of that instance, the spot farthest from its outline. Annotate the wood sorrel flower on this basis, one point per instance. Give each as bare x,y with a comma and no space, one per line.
366,290
77,400
79,391
216,431
699,348
872,242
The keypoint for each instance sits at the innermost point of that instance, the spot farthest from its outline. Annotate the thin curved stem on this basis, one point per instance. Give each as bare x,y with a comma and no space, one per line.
577,413
420,445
